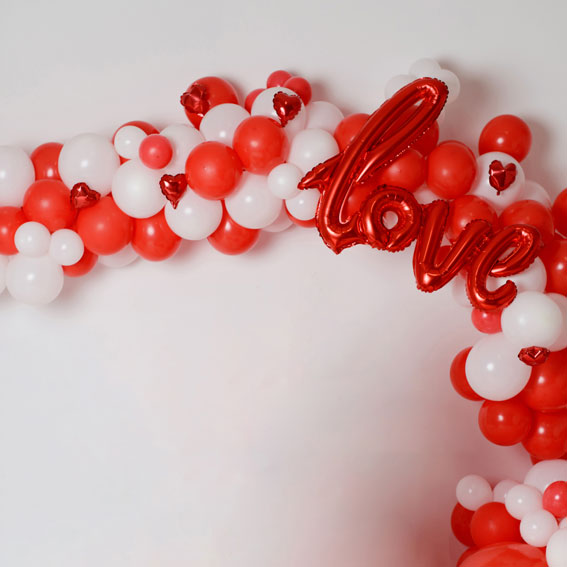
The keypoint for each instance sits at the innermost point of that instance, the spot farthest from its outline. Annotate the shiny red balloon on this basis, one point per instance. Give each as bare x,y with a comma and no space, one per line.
559,212
10,220
547,388
250,98
153,239
451,169
48,201
104,228
507,555
506,133
461,524
277,78
554,256
45,159
459,377
348,128
548,437
505,423
463,210
83,266
489,322
531,213
492,523
231,238
555,499
466,554
407,171
155,151
300,86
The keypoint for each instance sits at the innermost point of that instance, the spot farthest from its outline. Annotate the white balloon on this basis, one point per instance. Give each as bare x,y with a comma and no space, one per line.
396,83
183,139
452,82
263,105
501,490
90,159
252,204
3,267
304,206
544,473
66,247
194,218
119,259
283,222
473,491
533,278
522,500
283,180
425,67
537,527
533,319
32,239
312,147
220,123
459,292
425,195
127,141
563,523
16,175
561,302
36,281
136,190
493,369
556,552
481,186
535,192
323,115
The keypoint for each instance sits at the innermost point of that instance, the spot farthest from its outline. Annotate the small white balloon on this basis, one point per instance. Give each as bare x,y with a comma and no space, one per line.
220,123
323,115
252,204
283,222
183,139
396,83
452,82
127,141
536,528
119,259
312,147
283,180
425,195
522,500
3,267
263,105
36,281
473,491
194,218
459,292
16,175
136,190
544,473
66,247
425,67
304,206
561,302
482,188
533,319
494,370
90,159
32,239
501,490
556,552
533,278
533,191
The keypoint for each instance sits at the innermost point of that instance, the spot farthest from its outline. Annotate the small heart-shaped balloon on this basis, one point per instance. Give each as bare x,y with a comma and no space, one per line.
287,106
500,176
196,99
83,196
173,187
534,356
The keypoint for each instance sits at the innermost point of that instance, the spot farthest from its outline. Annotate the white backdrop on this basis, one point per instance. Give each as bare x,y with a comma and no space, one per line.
285,408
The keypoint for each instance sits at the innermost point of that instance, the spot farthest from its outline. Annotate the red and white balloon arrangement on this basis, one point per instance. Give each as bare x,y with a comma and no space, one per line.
382,180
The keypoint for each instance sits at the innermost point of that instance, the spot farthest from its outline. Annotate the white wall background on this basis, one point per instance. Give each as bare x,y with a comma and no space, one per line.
285,408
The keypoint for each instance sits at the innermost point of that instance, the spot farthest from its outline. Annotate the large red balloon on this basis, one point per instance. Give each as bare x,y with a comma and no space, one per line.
461,524
48,202
507,555
505,423
491,524
153,239
231,238
548,437
547,388
506,133
554,256
10,220
459,377
45,159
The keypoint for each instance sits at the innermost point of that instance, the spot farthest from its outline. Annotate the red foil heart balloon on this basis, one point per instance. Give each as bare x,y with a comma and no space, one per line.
196,99
287,106
173,187
500,176
534,356
83,196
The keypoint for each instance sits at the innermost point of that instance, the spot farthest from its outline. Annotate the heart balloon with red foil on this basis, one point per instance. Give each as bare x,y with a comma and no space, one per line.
83,196
287,106
501,176
173,188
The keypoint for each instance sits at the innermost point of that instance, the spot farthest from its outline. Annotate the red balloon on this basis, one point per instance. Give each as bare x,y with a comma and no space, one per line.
277,78
505,423
459,377
428,142
104,228
231,238
451,170
83,266
463,210
407,171
205,93
491,524
260,143
250,98
348,128
507,555
461,524
531,213
213,170
155,151
547,388
300,86
489,322
554,256
153,239
48,201
10,220
548,437
45,159
506,133
466,554
559,212
555,499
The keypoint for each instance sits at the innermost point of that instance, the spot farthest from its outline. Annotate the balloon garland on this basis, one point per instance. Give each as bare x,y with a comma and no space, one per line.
383,180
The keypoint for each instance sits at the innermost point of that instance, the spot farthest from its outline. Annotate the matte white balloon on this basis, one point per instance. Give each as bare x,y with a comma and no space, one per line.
481,186
220,123
66,247
127,141
425,67
521,500
533,319
263,105
501,490
323,115
533,191
493,369
312,147
35,281
556,552
283,222
544,473
136,190
563,523
90,159
532,279
396,83
3,267
452,82
183,139
32,239
304,206
473,491
283,180
16,175
194,218
119,259
252,204
561,341
425,195
536,528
